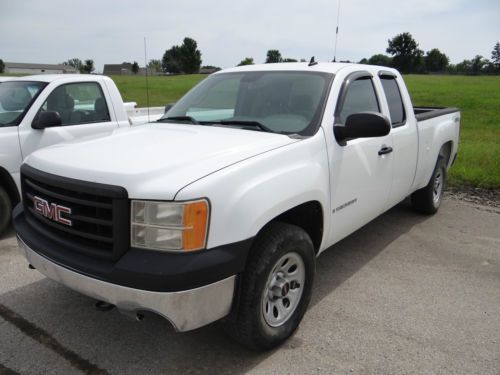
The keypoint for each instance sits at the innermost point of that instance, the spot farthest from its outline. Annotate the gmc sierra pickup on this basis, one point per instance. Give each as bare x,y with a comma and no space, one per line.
220,210
38,111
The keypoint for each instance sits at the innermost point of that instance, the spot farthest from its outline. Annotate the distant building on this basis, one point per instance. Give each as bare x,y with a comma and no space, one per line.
29,68
209,70
123,69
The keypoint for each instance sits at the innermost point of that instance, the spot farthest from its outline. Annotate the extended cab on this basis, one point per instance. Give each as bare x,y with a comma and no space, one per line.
220,210
38,111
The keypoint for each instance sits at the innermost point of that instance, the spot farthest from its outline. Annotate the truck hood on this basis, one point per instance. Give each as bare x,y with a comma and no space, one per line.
154,161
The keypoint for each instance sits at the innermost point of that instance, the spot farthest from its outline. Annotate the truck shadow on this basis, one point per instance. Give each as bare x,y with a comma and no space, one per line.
122,345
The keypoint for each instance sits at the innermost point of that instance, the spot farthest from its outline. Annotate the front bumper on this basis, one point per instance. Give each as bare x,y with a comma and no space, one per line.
186,310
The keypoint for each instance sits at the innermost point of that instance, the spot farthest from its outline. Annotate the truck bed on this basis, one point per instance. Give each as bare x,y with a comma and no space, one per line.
426,113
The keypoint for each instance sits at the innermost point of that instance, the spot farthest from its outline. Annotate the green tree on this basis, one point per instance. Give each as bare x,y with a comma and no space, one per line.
464,67
87,67
185,58
2,66
154,66
364,60
75,63
380,59
436,61
495,56
246,61
477,64
171,61
407,57
273,56
135,67
190,56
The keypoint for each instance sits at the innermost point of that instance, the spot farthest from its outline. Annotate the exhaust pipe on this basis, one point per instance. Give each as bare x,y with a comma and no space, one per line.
103,306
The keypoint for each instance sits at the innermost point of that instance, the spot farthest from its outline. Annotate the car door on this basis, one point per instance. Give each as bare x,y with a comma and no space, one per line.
360,169
83,109
404,138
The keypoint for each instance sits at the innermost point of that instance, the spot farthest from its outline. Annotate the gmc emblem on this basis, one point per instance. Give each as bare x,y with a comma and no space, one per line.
52,211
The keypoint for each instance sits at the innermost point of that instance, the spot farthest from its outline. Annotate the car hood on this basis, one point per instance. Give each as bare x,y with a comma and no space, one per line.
154,161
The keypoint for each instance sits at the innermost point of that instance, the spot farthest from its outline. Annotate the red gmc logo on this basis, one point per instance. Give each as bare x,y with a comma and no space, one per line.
52,211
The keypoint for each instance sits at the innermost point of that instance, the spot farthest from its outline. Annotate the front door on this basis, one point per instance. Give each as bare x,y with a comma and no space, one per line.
83,110
360,175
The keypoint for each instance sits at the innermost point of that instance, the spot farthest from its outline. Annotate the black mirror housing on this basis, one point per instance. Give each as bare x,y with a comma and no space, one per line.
362,125
46,119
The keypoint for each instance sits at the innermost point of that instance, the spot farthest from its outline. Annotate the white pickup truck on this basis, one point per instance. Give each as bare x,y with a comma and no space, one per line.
38,111
220,211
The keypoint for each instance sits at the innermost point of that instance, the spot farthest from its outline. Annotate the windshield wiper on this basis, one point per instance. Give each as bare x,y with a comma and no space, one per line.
251,123
179,118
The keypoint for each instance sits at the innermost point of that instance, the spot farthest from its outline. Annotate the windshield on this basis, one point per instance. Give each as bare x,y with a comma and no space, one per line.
15,99
281,102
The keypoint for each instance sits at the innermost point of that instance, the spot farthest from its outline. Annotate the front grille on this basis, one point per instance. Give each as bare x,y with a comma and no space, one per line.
98,224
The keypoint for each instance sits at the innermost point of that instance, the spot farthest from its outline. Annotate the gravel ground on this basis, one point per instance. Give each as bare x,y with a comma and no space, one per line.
405,294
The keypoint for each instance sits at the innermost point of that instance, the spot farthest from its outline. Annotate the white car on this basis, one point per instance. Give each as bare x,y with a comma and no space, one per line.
221,211
38,111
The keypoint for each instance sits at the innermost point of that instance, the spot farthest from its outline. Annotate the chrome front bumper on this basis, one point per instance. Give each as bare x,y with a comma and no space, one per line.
186,310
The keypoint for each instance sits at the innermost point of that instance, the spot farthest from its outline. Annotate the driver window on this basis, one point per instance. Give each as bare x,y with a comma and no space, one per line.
78,103
360,97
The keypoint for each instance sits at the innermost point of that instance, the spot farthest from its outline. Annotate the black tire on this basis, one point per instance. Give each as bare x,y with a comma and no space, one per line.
426,200
5,210
247,322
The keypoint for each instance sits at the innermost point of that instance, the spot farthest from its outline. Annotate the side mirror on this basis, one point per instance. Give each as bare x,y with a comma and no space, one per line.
362,125
46,119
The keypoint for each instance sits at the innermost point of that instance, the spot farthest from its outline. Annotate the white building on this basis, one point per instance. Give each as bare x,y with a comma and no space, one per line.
29,68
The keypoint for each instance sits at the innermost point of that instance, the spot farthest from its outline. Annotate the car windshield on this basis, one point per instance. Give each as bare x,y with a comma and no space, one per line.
15,99
285,102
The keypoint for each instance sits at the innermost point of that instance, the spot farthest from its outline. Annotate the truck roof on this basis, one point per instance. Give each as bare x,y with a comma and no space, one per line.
326,67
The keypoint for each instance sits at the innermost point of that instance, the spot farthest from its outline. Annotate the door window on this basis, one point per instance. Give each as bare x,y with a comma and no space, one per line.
394,100
360,97
78,103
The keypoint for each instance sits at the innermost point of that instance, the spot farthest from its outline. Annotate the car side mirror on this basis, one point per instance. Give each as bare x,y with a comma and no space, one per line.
46,119
362,125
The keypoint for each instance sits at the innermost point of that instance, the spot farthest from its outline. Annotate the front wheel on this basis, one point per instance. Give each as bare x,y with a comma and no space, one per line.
5,210
275,288
428,199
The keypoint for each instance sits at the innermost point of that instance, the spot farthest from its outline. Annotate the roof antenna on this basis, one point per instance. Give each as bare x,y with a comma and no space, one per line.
147,85
312,62
336,32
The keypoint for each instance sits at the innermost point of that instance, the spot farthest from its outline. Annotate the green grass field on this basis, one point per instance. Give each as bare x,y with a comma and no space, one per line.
478,97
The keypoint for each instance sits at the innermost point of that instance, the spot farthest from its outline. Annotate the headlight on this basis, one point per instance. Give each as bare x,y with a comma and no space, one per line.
170,226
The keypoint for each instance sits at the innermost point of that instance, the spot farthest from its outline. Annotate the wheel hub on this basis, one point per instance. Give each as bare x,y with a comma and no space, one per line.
284,289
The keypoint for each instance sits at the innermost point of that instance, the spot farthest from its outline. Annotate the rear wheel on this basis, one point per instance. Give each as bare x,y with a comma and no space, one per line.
5,210
275,288
428,199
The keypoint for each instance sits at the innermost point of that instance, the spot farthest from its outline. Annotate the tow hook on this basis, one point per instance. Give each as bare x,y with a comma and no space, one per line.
103,306
31,267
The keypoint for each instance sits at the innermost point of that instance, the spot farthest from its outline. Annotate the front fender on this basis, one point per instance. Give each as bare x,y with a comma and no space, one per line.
246,196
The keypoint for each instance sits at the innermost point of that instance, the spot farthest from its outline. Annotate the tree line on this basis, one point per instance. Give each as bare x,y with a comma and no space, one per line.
408,58
403,52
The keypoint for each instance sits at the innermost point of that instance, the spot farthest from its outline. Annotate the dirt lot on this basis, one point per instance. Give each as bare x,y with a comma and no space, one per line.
405,294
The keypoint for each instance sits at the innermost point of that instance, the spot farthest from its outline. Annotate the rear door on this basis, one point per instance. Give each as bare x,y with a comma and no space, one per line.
360,178
404,138
84,110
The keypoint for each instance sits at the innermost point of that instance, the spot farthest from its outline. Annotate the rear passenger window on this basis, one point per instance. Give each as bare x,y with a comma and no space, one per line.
360,97
394,100
78,103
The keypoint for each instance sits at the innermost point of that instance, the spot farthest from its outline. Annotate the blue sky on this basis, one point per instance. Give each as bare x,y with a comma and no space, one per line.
53,31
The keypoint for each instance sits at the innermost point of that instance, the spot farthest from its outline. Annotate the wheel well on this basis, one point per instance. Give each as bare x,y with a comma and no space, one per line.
9,185
445,152
308,216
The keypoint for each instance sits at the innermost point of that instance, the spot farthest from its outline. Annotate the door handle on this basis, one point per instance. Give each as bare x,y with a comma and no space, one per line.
385,150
